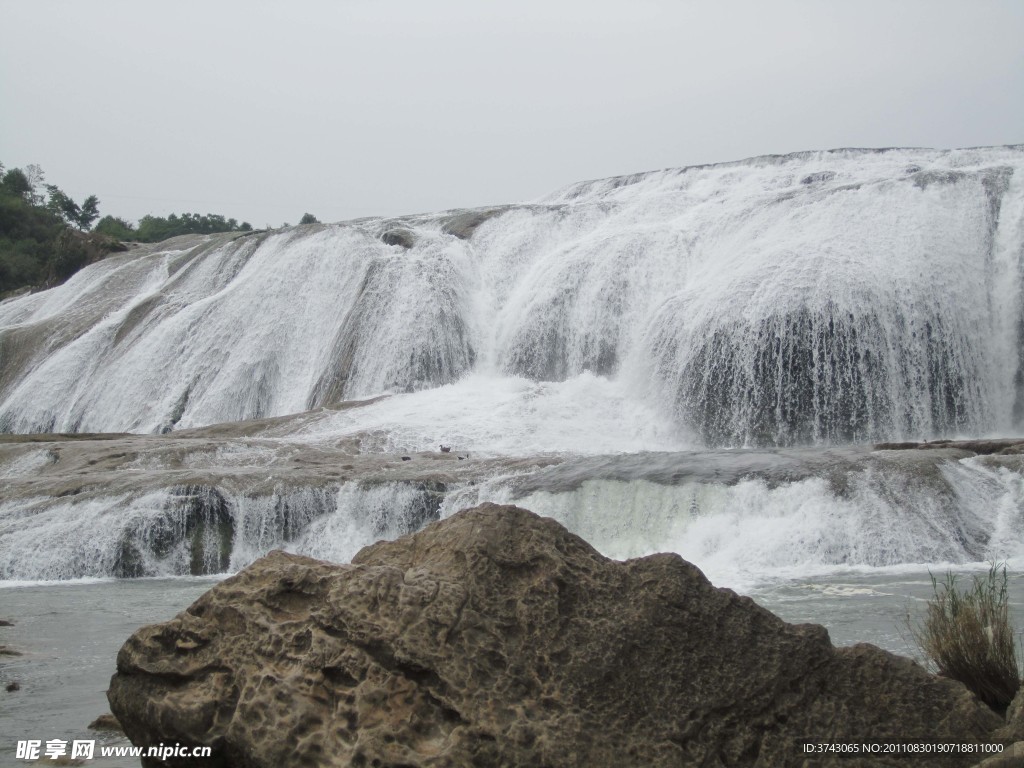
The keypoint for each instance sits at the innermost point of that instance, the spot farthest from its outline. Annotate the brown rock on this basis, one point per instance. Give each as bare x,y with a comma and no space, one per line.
1013,729
1011,757
498,638
106,722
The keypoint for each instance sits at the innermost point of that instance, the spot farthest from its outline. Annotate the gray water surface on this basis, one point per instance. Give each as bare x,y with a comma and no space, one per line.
69,634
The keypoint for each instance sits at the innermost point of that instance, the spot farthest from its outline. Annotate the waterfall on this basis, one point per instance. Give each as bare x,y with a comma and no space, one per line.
746,518
690,359
821,297
195,530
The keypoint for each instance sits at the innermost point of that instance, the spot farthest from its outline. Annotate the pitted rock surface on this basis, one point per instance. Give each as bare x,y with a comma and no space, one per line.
497,638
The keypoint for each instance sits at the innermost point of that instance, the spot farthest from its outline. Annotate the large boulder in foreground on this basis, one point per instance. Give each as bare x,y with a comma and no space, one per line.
497,638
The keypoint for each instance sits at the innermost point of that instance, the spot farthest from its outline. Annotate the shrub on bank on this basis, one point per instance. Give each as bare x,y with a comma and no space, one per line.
968,635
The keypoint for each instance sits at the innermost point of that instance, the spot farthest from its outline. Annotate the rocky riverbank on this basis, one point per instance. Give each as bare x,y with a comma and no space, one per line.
496,637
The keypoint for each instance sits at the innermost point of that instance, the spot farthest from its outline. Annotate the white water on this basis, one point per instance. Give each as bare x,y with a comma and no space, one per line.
163,533
746,519
758,531
510,415
812,298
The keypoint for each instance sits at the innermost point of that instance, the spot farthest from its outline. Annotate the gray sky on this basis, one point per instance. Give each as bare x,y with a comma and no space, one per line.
262,111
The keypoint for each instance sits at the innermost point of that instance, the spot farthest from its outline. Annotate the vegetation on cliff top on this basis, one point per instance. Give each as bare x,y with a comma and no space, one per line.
45,236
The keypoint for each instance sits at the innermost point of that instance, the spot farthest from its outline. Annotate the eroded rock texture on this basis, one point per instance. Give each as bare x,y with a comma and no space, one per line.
498,638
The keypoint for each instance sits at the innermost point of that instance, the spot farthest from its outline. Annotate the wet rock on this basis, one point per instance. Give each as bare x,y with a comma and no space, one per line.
403,238
496,637
1013,730
106,722
818,177
13,686
6,650
1007,446
6,623
463,225
196,523
129,562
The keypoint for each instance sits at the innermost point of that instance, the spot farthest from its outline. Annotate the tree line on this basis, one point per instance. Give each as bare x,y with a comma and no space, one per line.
46,236
153,229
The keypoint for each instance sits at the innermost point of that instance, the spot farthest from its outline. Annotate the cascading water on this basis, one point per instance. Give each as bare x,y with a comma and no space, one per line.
197,530
813,300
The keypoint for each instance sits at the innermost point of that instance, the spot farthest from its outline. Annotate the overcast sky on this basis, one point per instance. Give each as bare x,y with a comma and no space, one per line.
262,111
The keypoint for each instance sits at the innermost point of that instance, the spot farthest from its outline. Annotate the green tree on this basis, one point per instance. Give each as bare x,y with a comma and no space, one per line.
59,204
309,218
89,212
81,216
153,229
27,233
38,244
36,177
15,182
115,227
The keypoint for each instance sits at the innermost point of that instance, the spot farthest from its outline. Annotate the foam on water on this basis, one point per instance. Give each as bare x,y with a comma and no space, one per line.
510,415
82,581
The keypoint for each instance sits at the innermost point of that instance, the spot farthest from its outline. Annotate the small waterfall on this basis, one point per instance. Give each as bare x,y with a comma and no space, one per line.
744,517
195,530
877,512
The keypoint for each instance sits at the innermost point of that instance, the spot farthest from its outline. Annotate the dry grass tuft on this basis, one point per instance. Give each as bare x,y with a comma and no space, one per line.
968,635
